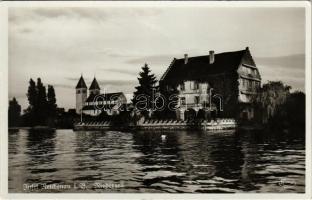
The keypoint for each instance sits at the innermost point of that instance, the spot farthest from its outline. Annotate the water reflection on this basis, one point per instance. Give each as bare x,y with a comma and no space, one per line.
141,161
15,142
40,150
39,144
160,161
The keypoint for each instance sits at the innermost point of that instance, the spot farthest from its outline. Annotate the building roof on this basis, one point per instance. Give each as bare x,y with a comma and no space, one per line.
94,85
81,83
100,107
104,97
199,68
122,107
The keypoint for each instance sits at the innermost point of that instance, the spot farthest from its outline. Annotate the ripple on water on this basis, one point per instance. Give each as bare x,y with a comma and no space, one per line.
185,162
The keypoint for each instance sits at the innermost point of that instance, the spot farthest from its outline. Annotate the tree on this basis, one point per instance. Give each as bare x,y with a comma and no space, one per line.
290,115
269,98
51,101
51,105
145,92
32,95
41,110
30,112
42,106
295,109
14,113
168,101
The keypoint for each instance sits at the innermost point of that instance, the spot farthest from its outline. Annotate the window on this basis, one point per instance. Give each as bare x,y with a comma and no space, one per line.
196,99
182,101
196,85
78,91
182,87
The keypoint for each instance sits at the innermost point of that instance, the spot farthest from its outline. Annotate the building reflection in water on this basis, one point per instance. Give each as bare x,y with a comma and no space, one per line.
89,150
190,158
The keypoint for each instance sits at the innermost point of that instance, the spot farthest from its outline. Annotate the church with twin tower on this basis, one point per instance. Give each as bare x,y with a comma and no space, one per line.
95,103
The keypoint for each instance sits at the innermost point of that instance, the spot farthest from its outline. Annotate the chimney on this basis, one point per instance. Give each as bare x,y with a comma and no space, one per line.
185,59
211,57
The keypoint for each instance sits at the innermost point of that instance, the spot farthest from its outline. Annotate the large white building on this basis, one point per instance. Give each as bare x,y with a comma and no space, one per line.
96,103
220,84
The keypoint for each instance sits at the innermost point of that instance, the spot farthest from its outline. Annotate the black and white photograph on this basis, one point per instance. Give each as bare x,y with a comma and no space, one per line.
151,97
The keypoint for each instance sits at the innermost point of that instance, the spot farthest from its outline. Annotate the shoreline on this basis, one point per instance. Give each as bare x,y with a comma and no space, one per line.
98,126
218,124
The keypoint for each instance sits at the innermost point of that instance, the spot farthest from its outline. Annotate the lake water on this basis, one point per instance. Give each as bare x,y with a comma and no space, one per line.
184,161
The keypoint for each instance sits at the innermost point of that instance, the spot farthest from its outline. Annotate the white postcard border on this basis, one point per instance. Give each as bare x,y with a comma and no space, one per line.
4,100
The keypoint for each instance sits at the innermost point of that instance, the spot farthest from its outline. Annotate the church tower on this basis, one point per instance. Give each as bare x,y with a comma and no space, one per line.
81,95
94,87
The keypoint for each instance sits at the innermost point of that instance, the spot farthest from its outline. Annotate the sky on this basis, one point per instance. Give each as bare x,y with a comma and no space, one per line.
113,43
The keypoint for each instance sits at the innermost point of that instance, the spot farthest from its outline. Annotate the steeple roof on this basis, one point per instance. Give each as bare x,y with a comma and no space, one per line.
81,83
94,85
